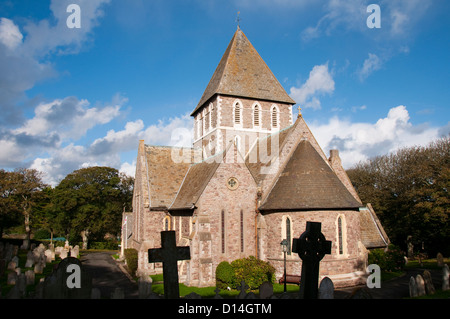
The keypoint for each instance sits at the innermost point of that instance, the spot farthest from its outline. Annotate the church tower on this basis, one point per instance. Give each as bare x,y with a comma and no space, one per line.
242,102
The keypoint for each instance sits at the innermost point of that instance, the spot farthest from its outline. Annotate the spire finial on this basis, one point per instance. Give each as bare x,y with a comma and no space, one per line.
299,111
238,19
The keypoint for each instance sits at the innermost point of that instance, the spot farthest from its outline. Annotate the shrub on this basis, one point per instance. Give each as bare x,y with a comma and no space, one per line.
131,258
253,271
224,275
389,260
41,234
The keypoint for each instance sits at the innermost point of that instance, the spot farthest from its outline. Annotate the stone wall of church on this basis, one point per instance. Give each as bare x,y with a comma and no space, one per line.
224,223
345,267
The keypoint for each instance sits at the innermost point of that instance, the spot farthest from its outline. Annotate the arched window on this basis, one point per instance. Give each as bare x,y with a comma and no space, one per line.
166,225
340,239
286,232
341,235
222,230
288,235
274,113
256,115
237,113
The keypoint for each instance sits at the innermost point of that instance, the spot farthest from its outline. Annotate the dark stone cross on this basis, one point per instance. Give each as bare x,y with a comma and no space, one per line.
311,248
169,254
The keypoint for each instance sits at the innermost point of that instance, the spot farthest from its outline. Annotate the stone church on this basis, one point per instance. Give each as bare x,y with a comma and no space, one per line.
253,177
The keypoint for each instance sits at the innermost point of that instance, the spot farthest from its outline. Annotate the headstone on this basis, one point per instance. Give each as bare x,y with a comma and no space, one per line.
420,283
12,265
144,286
48,256
22,284
118,293
412,287
440,260
96,294
58,250
445,278
30,260
266,290
39,268
243,290
12,278
193,295
30,275
63,254
250,295
311,248
361,293
217,296
169,254
68,281
429,287
74,252
66,245
326,289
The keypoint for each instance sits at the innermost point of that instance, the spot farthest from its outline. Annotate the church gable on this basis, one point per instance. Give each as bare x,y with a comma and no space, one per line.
308,183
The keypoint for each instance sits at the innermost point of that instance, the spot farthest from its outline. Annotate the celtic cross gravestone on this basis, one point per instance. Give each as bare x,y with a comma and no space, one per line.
311,248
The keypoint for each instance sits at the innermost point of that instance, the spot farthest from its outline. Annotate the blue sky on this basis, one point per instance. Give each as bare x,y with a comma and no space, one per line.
72,98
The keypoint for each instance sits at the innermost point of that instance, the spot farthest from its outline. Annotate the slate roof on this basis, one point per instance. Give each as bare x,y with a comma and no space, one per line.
372,232
197,178
242,72
164,175
308,183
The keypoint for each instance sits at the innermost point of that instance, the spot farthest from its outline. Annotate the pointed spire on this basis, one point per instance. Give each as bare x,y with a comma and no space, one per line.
243,73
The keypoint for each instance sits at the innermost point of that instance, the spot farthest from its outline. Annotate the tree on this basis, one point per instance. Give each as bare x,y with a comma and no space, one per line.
9,211
21,191
409,191
90,201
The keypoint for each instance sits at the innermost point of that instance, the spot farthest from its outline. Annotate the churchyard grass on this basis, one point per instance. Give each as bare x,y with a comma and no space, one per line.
209,292
426,263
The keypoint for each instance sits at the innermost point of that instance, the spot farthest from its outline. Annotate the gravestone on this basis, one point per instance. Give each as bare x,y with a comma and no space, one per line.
30,275
243,290
118,293
440,260
326,289
144,286
75,251
266,290
420,283
30,260
169,254
217,296
412,287
64,253
429,287
311,248
12,278
445,278
69,270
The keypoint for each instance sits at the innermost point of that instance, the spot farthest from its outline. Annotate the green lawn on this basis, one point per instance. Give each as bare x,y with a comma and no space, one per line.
209,292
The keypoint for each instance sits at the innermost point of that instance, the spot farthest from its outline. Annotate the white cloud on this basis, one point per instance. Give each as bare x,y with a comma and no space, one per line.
108,149
319,82
10,34
371,64
361,141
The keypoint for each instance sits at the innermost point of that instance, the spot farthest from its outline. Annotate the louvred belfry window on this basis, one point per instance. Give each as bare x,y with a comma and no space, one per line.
237,113
274,117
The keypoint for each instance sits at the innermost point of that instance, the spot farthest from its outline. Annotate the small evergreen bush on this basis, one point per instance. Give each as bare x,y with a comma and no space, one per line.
131,258
224,275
